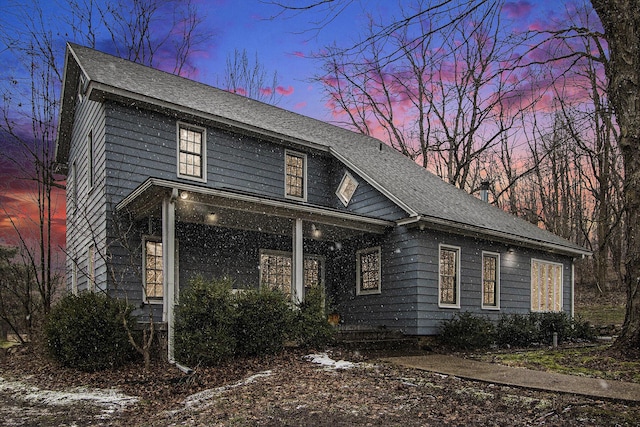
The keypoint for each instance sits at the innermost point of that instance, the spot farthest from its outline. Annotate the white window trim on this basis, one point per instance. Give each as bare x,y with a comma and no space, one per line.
360,291
74,277
203,151
497,256
158,301
91,154
347,176
74,187
304,172
457,284
91,268
561,290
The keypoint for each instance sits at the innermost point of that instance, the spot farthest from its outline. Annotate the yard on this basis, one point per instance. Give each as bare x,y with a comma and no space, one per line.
290,389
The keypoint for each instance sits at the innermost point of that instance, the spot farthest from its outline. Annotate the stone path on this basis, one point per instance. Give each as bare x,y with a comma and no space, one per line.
521,377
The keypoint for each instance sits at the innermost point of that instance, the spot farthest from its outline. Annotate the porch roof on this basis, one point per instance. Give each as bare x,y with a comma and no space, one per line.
232,209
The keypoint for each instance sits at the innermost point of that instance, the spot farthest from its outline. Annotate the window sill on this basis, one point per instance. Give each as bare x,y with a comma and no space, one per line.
453,306
369,292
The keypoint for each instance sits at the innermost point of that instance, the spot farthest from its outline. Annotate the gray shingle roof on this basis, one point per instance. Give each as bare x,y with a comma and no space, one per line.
420,193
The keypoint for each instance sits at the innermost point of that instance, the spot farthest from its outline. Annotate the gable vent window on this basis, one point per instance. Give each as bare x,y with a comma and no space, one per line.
347,188
295,175
191,152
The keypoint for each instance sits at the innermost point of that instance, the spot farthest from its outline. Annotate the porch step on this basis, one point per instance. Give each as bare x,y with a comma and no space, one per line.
374,339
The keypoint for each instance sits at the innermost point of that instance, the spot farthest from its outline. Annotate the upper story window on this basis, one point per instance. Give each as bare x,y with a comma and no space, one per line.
490,280
368,270
449,283
192,161
546,286
347,188
295,170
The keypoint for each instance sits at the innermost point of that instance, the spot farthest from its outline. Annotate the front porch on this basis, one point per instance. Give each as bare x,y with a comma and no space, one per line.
253,241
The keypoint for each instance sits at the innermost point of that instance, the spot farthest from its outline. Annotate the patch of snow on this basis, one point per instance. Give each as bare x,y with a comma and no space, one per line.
110,400
203,398
326,361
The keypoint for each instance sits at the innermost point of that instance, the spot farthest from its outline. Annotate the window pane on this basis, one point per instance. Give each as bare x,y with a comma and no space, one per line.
489,280
153,269
448,276
369,264
190,155
546,286
294,179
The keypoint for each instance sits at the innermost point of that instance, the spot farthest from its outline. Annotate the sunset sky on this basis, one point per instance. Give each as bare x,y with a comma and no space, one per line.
284,43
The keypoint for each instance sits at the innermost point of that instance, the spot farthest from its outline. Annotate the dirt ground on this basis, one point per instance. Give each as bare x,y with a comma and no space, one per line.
286,390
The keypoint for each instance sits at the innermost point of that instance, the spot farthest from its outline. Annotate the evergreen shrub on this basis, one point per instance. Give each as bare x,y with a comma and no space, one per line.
86,332
465,331
264,322
312,330
204,323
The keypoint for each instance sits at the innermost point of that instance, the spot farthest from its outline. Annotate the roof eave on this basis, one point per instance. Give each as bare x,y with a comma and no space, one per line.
494,235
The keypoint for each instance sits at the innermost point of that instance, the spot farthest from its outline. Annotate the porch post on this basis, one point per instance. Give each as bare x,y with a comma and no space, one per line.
298,262
168,266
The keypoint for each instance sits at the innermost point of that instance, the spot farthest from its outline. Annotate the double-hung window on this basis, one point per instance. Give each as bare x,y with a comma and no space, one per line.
295,175
490,280
546,286
153,266
276,270
192,148
449,283
368,271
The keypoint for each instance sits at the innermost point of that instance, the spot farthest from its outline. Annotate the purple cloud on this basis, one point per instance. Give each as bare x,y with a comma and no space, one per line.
517,10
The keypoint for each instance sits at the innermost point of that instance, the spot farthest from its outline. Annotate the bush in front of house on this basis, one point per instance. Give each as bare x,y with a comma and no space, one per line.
204,323
264,321
312,330
86,332
516,330
466,331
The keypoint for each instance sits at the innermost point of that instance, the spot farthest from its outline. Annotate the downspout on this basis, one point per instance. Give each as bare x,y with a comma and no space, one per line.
168,266
298,262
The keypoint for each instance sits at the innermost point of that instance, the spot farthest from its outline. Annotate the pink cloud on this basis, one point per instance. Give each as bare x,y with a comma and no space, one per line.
299,54
266,91
285,91
300,105
517,10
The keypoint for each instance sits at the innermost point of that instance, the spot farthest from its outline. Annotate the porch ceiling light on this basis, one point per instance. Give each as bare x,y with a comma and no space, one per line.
212,217
315,232
184,195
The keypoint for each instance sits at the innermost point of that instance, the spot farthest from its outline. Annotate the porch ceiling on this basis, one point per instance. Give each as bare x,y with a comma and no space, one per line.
225,208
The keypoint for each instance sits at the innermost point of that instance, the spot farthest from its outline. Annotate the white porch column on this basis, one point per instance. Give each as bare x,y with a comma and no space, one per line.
298,262
168,266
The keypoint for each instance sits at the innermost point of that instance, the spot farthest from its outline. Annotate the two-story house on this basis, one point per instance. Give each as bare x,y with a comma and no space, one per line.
169,178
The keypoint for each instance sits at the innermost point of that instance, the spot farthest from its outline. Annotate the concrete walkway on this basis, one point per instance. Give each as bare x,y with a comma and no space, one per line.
520,377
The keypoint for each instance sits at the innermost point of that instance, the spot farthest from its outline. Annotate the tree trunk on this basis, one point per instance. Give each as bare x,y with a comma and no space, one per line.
621,22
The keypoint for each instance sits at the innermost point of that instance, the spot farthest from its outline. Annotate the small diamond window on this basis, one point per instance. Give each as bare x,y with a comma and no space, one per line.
347,188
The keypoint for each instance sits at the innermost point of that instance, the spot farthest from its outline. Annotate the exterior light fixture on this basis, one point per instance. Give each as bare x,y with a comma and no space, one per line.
184,195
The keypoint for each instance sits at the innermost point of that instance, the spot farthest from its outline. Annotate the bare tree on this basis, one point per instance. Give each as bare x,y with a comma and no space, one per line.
158,33
249,78
621,20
